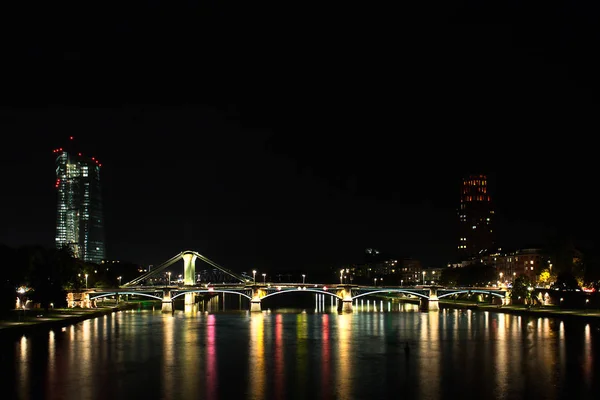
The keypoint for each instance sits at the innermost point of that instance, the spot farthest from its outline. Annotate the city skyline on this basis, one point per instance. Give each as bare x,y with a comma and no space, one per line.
284,145
260,207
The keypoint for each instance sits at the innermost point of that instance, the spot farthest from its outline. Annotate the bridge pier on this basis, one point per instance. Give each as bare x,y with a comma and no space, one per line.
167,303
190,299
345,306
255,302
432,303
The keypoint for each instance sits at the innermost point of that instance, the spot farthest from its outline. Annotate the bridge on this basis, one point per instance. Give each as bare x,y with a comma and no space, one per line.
345,295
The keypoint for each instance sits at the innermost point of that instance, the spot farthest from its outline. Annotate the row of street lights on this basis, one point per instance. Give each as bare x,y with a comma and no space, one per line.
265,277
118,278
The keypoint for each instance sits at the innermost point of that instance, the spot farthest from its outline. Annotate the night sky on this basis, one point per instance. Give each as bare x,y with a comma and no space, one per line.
274,136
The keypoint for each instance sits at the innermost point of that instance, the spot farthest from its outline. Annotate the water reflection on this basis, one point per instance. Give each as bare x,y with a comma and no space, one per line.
279,357
168,359
294,355
325,357
429,355
344,357
23,376
257,370
212,377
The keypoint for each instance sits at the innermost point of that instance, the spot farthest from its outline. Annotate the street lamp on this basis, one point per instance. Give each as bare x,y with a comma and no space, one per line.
254,276
86,275
169,275
342,276
264,278
303,278
401,282
119,279
375,281
423,277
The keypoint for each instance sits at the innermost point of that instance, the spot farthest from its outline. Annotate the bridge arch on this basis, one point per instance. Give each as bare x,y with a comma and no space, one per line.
132,293
302,291
472,291
391,290
210,291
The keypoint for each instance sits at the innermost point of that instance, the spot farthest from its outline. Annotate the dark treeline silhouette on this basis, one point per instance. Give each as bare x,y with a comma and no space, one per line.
46,275
476,274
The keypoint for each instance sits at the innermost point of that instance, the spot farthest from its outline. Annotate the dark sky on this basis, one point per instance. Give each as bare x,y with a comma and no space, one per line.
278,136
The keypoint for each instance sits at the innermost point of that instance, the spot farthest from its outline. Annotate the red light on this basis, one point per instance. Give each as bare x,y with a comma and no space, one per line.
79,153
71,137
99,165
211,289
60,149
93,158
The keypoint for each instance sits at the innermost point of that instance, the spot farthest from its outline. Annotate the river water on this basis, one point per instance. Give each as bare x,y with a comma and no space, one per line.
297,354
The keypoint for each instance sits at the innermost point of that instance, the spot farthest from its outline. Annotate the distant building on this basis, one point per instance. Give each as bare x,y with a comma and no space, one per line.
431,276
79,217
528,262
475,218
410,272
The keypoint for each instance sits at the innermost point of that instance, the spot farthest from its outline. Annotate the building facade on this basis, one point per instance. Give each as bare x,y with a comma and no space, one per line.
79,218
475,218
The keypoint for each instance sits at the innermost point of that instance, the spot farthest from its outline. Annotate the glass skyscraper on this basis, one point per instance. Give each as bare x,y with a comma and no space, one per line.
79,218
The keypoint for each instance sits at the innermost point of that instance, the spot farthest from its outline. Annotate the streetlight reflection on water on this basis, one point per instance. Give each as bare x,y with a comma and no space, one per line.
287,352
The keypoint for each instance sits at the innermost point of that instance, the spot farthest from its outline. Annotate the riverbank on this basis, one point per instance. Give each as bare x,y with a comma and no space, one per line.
545,311
35,320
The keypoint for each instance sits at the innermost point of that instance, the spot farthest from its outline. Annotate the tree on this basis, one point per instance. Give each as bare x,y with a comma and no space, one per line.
546,277
450,277
49,273
12,278
477,274
566,281
521,290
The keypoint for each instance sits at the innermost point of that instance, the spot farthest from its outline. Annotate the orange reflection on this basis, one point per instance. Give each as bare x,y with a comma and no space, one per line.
85,359
344,367
429,355
51,370
23,376
168,364
587,355
257,356
501,356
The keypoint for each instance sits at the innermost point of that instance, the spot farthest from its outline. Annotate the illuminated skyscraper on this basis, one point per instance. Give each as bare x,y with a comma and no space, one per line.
79,218
475,217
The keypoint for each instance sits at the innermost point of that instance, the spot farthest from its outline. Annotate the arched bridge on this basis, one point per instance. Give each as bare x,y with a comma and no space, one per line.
344,294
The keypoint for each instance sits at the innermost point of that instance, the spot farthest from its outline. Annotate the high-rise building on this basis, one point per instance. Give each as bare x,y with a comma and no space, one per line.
475,218
79,218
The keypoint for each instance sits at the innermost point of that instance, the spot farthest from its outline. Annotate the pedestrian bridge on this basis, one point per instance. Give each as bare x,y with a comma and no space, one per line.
344,294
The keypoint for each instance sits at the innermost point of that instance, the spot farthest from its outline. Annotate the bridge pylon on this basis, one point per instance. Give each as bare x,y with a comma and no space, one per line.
189,268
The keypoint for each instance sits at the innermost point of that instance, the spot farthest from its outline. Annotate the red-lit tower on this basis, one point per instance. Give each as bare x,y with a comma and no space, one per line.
476,217
79,217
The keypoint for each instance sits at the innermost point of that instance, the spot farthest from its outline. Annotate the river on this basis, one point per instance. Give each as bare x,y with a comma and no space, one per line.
297,354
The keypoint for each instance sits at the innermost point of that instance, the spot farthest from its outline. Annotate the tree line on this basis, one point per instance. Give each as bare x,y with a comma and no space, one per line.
45,275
